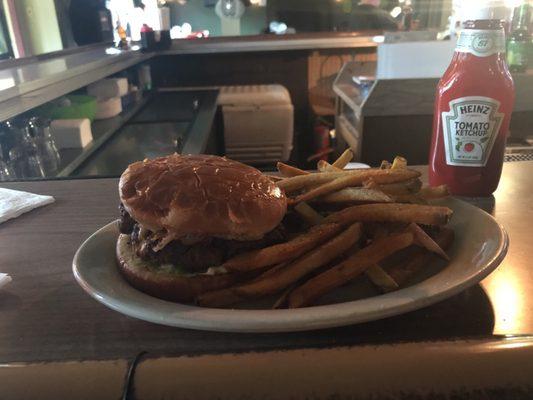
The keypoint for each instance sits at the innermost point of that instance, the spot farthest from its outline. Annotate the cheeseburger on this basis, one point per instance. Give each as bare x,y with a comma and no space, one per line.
181,215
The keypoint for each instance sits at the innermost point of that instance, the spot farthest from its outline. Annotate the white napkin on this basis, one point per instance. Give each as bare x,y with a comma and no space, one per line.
14,203
4,279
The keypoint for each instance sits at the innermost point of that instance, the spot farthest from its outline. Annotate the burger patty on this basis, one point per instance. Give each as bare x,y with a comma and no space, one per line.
197,257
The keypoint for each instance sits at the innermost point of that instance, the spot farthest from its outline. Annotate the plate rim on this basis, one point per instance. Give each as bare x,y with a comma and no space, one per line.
290,320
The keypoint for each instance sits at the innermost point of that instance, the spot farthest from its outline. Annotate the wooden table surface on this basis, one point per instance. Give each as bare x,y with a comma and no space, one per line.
46,316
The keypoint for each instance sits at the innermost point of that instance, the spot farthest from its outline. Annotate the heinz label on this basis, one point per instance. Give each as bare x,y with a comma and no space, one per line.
470,129
480,42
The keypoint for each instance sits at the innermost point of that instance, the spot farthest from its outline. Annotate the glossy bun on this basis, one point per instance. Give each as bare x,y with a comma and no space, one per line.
202,195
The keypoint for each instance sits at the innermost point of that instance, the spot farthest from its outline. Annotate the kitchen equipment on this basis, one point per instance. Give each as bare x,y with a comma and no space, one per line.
258,123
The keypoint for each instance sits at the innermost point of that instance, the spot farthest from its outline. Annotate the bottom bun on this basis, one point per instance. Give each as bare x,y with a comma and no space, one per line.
165,283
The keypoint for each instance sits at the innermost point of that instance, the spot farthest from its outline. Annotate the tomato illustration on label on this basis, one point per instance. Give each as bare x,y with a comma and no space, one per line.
469,147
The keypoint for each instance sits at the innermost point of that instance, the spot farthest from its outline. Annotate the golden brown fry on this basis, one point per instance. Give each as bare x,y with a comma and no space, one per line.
348,269
375,273
289,170
343,159
280,302
412,198
274,178
385,165
338,182
324,166
355,194
309,262
393,212
418,258
308,213
408,187
434,192
284,251
399,162
381,278
424,240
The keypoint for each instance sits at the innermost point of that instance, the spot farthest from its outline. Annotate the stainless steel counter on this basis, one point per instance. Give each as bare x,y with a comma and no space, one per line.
267,43
30,85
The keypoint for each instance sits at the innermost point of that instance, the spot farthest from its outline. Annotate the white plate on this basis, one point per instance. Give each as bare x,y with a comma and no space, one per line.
480,245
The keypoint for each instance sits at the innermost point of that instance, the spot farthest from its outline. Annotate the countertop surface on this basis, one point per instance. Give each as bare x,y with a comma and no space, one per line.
303,41
46,316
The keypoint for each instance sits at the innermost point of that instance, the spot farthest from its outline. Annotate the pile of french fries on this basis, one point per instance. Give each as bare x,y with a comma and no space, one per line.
371,224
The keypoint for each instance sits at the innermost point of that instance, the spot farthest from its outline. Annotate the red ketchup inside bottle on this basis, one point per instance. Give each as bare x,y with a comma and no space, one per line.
473,107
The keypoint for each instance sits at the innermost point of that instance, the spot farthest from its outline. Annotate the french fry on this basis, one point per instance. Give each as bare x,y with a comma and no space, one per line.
424,240
359,176
355,194
289,170
434,192
284,251
385,165
377,275
324,166
274,178
412,198
343,159
392,212
348,269
308,213
408,187
399,163
381,278
419,258
322,255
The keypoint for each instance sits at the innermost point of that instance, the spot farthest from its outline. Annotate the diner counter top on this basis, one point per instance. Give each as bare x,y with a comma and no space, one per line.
46,317
300,41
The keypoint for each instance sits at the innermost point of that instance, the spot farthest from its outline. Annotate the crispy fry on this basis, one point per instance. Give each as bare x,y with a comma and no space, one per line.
289,170
408,187
381,278
348,269
385,165
351,179
324,166
380,176
424,240
419,258
412,198
393,212
308,213
322,255
375,273
280,302
284,251
399,163
343,159
274,178
355,194
434,192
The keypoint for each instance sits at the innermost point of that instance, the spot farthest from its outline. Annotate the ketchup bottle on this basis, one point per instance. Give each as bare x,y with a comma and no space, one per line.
473,107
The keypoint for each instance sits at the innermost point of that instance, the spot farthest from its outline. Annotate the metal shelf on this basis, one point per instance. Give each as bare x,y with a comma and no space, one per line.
40,91
102,131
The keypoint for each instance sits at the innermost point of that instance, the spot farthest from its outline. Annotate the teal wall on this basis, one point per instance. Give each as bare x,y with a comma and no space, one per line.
253,20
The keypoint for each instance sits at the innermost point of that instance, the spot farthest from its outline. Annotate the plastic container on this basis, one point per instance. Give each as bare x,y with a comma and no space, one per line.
81,106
